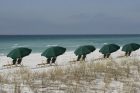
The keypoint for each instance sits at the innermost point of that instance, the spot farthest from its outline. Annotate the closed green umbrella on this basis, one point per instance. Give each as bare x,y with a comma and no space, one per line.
130,47
19,52
83,50
53,51
109,48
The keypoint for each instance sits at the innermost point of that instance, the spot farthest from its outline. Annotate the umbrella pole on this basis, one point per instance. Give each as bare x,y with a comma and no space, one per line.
104,55
129,53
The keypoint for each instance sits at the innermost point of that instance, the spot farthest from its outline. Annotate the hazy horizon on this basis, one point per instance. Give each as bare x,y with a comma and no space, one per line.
48,17
77,34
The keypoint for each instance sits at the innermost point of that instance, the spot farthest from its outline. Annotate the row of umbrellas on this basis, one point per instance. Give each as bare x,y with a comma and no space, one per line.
82,50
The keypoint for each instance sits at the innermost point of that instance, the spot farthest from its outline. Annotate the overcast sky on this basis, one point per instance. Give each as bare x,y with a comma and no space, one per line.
69,17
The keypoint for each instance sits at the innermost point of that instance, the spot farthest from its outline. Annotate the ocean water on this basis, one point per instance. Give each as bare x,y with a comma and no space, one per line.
38,43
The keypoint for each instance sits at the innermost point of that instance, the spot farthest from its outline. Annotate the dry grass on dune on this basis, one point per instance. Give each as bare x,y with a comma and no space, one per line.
83,78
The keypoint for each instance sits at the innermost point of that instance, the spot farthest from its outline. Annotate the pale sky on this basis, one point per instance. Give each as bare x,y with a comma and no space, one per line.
69,17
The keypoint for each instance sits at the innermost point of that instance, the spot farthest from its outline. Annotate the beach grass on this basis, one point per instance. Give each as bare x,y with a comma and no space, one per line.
91,77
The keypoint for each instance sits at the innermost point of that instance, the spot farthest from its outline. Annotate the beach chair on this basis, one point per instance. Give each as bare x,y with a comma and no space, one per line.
79,59
41,65
101,57
9,65
122,55
44,63
73,60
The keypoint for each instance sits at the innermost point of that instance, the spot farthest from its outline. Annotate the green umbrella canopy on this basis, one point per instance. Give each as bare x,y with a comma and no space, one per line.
83,50
91,47
109,48
53,51
19,52
130,47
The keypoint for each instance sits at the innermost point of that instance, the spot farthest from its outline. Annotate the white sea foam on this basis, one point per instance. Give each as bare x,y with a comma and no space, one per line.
1,54
73,46
105,43
15,46
51,45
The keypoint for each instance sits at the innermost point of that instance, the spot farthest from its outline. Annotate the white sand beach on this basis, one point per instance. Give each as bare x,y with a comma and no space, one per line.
30,62
35,58
39,41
